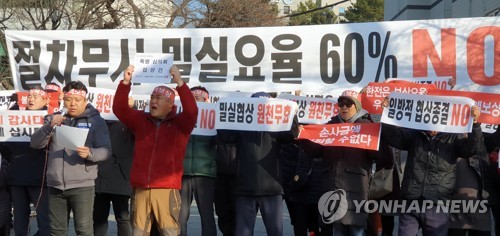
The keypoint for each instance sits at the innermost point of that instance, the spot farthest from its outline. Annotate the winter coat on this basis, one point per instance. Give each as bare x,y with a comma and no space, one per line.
113,176
5,202
160,146
225,158
258,160
470,186
65,169
200,156
430,168
347,169
302,175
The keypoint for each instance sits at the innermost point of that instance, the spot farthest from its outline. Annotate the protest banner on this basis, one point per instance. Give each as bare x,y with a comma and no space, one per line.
207,115
375,93
255,114
489,128
102,100
433,113
488,103
355,135
18,126
309,58
313,110
439,82
152,67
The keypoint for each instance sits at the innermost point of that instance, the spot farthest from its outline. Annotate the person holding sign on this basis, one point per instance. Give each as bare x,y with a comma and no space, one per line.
199,176
26,176
71,173
161,137
258,176
348,168
430,170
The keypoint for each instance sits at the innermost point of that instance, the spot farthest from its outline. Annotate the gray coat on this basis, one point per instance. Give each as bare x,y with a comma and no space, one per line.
65,169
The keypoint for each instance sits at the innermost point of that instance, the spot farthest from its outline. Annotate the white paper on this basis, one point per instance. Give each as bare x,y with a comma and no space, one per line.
152,68
71,137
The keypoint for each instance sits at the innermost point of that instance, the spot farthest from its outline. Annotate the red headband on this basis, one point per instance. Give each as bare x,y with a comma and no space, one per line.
201,93
38,92
165,91
77,92
53,87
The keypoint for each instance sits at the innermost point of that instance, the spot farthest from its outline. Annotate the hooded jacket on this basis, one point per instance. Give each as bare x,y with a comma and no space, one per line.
159,145
65,169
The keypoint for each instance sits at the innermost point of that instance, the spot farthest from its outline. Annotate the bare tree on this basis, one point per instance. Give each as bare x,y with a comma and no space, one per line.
237,13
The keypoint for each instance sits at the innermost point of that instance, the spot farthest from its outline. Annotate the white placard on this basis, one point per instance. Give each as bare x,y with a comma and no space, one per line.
433,113
152,67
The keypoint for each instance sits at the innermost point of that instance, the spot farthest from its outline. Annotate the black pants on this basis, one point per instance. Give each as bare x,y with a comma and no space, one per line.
102,204
224,204
306,219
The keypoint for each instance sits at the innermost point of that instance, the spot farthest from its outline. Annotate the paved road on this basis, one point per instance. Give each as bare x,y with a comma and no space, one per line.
194,224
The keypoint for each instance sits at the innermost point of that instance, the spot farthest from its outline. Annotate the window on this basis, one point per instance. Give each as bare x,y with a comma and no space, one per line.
341,11
286,10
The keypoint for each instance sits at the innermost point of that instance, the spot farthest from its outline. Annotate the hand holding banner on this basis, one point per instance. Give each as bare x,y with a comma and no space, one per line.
355,135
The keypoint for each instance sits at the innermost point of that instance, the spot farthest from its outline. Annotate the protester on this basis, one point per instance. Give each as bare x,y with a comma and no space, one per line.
430,171
161,137
27,176
302,178
71,173
347,168
471,178
224,188
55,94
5,202
492,143
112,186
258,179
198,180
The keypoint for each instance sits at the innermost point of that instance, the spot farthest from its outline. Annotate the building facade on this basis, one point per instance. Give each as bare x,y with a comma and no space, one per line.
439,9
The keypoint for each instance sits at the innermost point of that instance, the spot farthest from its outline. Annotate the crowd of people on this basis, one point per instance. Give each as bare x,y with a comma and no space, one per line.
149,168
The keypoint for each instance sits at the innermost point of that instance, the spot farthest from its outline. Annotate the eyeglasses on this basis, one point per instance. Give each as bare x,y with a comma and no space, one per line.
347,104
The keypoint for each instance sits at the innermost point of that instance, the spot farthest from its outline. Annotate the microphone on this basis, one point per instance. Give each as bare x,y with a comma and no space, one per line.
61,112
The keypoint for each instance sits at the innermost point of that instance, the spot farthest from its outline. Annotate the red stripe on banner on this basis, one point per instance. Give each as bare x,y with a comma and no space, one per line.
374,93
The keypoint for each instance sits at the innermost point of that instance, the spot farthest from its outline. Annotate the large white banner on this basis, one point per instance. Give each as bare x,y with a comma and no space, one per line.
309,58
434,113
255,114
